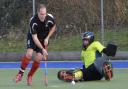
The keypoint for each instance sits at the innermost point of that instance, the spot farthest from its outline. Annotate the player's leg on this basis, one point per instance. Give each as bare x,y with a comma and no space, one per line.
86,74
104,66
65,75
107,70
91,73
25,60
24,63
69,75
35,66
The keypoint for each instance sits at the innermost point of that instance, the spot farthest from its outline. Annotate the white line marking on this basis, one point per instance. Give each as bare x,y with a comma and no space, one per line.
55,86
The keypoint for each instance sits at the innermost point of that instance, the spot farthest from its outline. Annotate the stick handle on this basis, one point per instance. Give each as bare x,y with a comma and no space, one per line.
46,71
46,74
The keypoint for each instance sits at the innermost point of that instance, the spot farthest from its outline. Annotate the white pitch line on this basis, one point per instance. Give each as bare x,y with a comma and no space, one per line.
55,86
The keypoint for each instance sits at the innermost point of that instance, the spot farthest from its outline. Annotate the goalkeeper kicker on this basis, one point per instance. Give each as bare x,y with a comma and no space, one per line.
96,61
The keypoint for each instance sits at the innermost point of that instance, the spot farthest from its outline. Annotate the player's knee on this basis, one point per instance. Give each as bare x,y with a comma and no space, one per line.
29,53
29,56
39,57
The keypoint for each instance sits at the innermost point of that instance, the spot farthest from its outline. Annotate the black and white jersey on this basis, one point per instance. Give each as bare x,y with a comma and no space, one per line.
41,28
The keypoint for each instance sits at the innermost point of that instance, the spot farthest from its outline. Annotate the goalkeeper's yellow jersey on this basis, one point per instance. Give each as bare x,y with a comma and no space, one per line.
88,56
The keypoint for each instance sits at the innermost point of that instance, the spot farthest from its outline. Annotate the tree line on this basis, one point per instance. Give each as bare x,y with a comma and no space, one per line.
71,15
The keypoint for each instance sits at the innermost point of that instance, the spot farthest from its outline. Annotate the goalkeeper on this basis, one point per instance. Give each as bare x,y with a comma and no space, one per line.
95,58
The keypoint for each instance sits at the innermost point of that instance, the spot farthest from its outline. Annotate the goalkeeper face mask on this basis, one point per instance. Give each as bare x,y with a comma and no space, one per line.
85,42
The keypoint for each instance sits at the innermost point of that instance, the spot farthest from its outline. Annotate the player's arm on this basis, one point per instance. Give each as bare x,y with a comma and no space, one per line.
51,32
110,50
36,41
38,44
53,29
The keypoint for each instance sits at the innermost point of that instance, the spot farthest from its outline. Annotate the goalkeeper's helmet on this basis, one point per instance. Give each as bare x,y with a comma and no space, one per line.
89,36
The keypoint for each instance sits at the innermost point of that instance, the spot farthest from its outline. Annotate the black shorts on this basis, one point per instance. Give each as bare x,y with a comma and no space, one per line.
91,73
32,45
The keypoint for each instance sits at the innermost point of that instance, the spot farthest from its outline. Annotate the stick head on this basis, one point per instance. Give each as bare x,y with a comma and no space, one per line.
46,81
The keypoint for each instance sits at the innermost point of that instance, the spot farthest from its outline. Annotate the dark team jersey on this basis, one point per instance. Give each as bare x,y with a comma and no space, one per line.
41,28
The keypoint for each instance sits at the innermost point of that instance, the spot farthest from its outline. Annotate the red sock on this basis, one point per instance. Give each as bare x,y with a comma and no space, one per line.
24,63
35,66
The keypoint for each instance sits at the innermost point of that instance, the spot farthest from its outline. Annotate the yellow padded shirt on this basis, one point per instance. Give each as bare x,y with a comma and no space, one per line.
88,56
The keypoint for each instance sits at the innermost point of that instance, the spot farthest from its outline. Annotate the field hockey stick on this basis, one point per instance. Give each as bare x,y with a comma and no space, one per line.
46,70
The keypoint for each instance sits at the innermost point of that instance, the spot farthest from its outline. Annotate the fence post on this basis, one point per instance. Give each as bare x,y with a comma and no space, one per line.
33,5
102,21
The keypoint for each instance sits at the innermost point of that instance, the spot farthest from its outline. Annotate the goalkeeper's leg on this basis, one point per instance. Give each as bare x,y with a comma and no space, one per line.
69,75
107,70
104,66
91,73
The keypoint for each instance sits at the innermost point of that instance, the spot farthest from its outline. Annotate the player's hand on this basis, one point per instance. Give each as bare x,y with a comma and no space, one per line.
45,53
46,41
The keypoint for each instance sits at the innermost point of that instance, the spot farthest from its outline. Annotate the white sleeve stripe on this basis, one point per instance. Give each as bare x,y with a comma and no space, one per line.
33,26
50,21
31,19
51,15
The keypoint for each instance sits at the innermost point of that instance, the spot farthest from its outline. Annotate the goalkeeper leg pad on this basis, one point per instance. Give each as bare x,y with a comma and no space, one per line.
69,75
65,75
107,71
